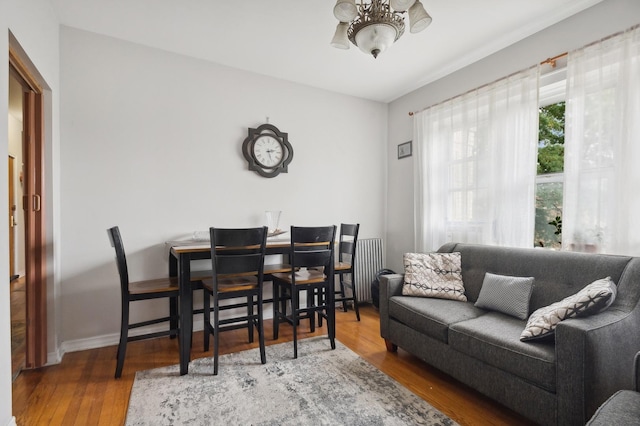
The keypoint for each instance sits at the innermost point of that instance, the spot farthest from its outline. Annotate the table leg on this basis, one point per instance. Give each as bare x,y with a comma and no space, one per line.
186,312
331,311
174,308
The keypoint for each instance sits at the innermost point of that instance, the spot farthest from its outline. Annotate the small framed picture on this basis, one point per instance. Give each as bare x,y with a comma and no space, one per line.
404,150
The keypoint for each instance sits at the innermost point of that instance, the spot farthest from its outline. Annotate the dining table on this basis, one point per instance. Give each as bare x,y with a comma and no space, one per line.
181,255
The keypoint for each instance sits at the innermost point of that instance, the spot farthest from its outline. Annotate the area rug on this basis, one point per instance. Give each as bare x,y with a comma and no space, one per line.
320,387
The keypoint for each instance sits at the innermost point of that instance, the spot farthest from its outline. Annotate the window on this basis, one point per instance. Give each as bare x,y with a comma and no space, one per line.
582,196
550,163
473,152
463,177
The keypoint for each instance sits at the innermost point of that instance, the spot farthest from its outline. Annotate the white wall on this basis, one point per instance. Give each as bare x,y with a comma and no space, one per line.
35,27
601,20
151,142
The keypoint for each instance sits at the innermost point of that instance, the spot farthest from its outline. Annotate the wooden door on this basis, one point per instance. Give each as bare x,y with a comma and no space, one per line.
33,204
35,282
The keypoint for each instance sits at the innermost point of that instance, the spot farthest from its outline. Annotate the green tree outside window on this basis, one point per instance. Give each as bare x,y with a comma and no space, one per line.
548,226
551,139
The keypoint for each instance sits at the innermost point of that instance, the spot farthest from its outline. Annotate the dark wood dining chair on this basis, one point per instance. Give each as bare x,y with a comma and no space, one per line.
345,266
312,260
237,258
141,290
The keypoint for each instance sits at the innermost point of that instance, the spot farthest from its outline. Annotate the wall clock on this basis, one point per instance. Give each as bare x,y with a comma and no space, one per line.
267,150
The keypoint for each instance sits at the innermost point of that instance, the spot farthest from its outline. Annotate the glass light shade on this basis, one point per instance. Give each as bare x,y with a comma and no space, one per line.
419,19
374,39
401,5
345,10
340,39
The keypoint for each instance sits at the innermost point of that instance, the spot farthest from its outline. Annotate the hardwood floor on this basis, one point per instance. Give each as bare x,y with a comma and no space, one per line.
82,391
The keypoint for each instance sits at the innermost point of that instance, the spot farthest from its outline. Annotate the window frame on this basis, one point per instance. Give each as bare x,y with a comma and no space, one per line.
553,89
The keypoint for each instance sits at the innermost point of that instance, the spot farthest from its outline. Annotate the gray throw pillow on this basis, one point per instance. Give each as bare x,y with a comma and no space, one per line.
594,298
437,275
506,294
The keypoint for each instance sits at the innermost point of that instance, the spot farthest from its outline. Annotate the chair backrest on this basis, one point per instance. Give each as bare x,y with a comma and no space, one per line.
348,243
237,252
121,259
312,247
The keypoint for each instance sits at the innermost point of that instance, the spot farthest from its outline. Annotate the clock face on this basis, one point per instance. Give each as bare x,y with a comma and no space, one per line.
268,151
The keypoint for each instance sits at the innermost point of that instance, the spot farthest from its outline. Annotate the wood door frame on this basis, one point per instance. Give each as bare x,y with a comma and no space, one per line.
34,206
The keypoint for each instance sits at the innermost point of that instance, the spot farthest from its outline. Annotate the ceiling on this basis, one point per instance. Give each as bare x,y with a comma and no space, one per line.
289,39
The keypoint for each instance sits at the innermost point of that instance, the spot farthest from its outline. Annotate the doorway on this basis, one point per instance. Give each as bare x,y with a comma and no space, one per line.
29,215
16,230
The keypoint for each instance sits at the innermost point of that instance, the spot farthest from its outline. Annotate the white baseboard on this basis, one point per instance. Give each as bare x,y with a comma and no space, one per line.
112,338
89,343
12,422
54,357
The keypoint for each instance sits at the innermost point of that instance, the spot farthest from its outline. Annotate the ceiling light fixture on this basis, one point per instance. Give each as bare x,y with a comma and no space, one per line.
376,24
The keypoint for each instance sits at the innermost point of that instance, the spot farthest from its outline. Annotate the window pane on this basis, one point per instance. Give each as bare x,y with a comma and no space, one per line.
548,215
551,138
548,230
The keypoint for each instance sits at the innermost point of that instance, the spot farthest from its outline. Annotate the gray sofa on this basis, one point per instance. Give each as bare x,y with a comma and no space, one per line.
623,407
553,382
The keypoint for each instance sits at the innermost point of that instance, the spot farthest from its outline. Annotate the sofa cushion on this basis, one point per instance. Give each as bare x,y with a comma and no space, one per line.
506,294
592,299
557,274
494,338
431,316
433,275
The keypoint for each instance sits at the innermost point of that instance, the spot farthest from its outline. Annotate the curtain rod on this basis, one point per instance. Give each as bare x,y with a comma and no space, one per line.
411,113
551,61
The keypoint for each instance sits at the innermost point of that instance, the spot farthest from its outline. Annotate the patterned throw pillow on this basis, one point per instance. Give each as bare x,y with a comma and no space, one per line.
509,295
436,275
594,298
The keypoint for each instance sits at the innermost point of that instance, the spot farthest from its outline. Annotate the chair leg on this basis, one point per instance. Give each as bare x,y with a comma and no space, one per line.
321,300
342,293
124,336
355,298
249,316
216,336
173,313
276,313
263,355
206,301
331,315
311,296
295,303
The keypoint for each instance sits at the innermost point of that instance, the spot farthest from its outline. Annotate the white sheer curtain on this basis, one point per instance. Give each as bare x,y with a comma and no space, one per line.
601,207
475,166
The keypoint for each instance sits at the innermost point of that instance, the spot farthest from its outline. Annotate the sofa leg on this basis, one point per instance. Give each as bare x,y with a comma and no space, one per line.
391,347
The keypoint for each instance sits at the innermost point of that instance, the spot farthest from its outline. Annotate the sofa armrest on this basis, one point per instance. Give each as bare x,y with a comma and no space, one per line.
390,285
593,355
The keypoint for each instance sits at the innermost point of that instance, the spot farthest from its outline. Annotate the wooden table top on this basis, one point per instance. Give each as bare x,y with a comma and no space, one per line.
196,246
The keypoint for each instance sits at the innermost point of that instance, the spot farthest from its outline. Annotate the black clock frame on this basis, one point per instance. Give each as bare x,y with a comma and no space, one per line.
249,154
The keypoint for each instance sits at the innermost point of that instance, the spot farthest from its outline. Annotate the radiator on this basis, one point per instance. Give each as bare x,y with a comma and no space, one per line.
369,253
